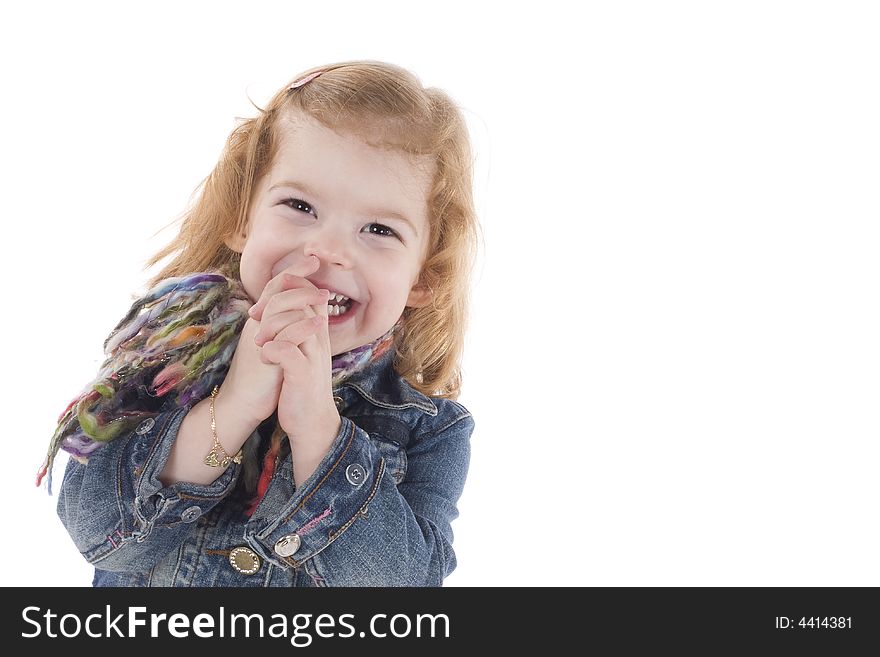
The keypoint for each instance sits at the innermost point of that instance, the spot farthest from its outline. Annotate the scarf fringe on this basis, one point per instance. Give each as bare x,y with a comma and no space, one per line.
171,348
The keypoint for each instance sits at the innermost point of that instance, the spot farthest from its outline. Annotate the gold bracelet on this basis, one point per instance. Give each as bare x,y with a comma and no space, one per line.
217,457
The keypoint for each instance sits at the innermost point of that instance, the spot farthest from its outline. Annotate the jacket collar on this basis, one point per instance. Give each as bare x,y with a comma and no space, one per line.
380,385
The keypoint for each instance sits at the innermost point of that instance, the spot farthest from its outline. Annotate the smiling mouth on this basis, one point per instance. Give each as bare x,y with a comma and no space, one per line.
338,305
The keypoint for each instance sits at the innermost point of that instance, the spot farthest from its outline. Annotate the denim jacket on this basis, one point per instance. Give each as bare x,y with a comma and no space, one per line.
376,512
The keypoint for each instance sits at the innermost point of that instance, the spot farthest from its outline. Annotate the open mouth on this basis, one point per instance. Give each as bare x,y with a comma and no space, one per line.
338,305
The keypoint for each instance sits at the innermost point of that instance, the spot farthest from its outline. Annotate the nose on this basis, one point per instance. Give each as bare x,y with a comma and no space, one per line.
329,247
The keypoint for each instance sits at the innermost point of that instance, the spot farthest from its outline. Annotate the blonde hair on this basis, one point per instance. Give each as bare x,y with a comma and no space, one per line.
358,97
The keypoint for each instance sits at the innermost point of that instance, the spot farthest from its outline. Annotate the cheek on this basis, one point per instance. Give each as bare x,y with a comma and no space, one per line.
387,303
257,262
392,284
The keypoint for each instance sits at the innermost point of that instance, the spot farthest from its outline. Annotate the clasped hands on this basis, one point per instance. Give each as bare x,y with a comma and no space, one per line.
283,362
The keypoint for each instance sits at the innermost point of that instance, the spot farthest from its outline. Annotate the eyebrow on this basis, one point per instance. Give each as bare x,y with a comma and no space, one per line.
391,214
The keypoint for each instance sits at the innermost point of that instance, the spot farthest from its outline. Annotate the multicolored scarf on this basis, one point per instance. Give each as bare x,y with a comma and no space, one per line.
173,346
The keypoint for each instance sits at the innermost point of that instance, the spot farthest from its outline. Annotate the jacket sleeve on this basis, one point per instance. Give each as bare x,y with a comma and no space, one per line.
353,524
119,514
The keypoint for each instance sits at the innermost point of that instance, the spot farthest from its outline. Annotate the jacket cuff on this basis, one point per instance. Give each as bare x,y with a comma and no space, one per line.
336,494
164,506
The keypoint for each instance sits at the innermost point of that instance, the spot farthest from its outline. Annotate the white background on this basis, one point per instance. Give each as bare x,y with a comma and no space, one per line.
673,360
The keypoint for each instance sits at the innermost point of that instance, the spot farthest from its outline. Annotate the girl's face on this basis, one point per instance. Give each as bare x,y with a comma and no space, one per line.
361,210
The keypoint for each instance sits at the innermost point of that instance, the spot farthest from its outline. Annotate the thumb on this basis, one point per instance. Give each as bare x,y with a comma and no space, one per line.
323,332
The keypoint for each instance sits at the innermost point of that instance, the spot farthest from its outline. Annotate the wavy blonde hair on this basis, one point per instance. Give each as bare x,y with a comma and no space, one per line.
363,98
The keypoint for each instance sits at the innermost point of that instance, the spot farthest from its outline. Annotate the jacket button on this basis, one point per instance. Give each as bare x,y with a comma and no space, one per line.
191,514
287,545
355,474
340,402
244,560
145,426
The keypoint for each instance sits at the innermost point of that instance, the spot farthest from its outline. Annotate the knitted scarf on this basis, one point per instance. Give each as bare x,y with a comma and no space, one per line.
173,346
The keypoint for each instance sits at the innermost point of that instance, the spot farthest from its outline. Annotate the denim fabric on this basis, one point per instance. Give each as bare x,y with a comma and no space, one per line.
376,512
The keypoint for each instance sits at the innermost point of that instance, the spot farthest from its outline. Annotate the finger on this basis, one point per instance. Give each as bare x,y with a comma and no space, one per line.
279,285
322,309
300,299
302,266
317,346
283,353
291,277
324,329
294,331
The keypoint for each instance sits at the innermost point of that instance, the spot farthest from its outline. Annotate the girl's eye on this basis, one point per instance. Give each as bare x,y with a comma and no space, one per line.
298,204
381,229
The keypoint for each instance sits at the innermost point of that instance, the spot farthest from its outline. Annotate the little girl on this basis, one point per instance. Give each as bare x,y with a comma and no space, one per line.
278,409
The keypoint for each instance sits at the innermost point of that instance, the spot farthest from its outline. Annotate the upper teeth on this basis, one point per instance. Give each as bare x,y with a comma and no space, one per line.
337,298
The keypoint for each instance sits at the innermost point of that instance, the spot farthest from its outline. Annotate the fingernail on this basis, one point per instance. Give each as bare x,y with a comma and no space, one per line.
252,310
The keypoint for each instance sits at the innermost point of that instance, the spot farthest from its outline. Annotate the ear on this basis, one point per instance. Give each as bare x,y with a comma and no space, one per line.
236,241
420,296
